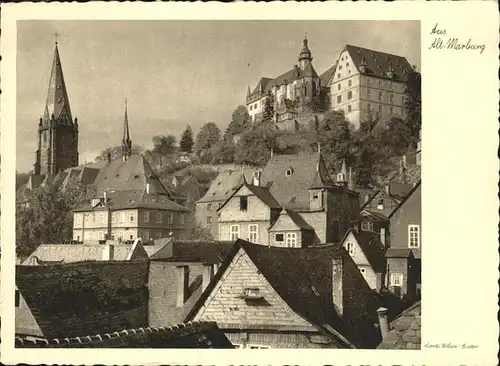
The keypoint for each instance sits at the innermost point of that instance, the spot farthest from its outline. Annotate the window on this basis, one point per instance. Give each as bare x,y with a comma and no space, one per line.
363,272
253,233
130,235
235,232
131,217
289,172
170,218
279,238
291,240
347,63
369,106
120,235
380,83
391,111
209,207
369,93
181,219
146,235
350,248
349,94
380,96
243,203
122,217
113,218
380,108
349,108
101,217
146,217
101,235
340,67
367,226
413,236
159,217
158,235
349,83
338,75
397,279
339,86
368,80
391,97
339,99
209,220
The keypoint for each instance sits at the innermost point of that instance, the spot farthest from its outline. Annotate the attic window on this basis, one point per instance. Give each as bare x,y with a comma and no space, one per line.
243,203
289,172
136,176
252,293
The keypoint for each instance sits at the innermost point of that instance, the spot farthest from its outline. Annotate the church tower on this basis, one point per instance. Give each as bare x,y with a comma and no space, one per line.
126,142
57,131
305,56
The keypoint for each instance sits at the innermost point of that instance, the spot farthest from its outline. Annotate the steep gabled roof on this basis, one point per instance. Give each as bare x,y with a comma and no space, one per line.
327,76
369,242
296,218
302,277
378,63
405,330
261,193
412,191
105,297
224,184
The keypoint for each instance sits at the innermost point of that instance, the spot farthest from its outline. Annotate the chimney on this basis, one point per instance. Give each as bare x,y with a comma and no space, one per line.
182,284
109,157
105,195
382,236
147,188
337,284
208,273
382,320
108,252
256,179
319,148
388,189
272,152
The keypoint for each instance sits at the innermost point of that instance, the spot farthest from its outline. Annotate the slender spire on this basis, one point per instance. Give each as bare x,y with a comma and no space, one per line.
57,104
305,54
126,142
248,91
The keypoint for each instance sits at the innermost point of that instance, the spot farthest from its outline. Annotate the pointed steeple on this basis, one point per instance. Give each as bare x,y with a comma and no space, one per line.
305,56
248,91
57,104
126,142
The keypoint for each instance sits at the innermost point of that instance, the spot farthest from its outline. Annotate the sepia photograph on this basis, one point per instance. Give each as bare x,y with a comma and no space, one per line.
245,184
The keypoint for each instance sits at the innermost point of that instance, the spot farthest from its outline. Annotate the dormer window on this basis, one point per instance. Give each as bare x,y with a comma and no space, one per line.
289,172
252,293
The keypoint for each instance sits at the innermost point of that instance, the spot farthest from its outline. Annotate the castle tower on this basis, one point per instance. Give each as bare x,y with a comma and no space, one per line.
126,142
305,57
57,131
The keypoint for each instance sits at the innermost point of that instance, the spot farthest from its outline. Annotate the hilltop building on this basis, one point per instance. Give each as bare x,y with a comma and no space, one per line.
296,94
369,84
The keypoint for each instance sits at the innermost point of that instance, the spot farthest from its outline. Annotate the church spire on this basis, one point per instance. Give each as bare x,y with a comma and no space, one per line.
305,56
57,104
126,142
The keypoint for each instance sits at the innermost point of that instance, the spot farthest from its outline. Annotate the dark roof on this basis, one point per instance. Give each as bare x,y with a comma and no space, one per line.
261,193
75,299
405,330
302,277
398,253
378,63
292,192
369,243
224,184
119,200
298,220
378,216
209,252
188,335
327,76
410,193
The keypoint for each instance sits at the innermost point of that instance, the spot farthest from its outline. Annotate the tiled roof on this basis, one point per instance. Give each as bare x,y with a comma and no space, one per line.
152,249
75,299
405,330
68,253
373,215
209,252
378,63
224,184
327,76
185,335
298,220
372,248
292,192
302,277
261,193
119,200
414,189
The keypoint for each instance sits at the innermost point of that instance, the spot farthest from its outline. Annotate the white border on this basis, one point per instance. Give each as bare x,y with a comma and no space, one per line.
460,217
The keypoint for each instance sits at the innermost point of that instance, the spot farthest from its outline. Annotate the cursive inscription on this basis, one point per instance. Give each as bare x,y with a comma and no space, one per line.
442,41
451,345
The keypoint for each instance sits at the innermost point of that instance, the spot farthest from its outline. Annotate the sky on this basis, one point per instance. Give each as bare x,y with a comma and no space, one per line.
173,73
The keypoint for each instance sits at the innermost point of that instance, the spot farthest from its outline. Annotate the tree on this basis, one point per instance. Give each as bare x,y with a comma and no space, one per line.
115,152
163,145
268,113
198,233
208,136
254,147
412,106
187,141
240,121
